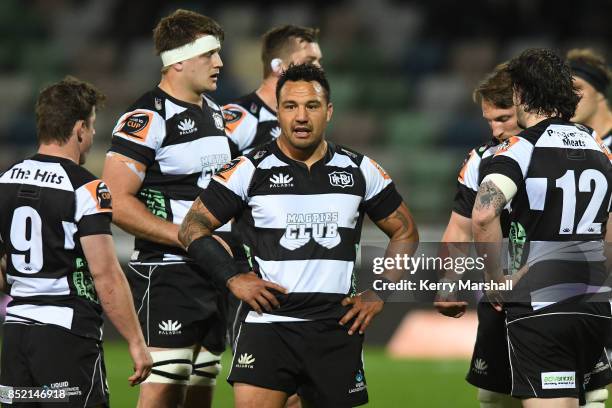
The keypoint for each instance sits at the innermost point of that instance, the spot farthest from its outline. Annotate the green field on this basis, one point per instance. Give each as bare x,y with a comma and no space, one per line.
391,383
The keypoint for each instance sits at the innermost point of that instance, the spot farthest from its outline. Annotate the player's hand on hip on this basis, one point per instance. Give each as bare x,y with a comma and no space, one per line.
142,363
451,308
366,305
255,291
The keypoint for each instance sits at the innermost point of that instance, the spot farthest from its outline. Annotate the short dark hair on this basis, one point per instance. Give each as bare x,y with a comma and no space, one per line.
61,105
543,83
183,27
279,43
304,72
590,66
496,87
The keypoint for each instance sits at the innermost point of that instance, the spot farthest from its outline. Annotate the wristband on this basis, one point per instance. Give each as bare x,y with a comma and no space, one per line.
214,260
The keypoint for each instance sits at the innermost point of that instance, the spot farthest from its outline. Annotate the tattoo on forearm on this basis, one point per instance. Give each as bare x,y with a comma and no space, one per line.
490,196
407,226
194,226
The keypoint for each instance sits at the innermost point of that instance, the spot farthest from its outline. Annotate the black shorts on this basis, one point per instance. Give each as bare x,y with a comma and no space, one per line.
490,366
553,350
178,306
49,356
316,359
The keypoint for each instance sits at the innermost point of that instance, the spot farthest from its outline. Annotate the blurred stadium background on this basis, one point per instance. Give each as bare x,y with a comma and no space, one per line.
401,73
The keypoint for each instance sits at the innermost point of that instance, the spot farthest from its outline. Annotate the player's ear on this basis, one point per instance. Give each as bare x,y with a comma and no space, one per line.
277,65
78,129
330,111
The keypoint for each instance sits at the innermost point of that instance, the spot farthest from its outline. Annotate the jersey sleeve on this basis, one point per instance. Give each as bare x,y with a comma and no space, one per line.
240,125
93,208
511,160
138,134
381,198
227,193
467,185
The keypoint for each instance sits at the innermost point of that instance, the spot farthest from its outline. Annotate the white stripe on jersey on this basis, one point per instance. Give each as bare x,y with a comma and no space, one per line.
563,291
520,151
27,286
312,275
266,116
567,137
37,173
191,157
341,160
58,315
254,317
375,182
341,209
173,109
580,251
270,162
536,192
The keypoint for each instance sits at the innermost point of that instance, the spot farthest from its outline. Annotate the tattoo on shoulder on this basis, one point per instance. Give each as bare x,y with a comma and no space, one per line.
490,196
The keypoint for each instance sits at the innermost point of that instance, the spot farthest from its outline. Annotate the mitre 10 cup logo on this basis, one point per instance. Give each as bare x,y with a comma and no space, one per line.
322,227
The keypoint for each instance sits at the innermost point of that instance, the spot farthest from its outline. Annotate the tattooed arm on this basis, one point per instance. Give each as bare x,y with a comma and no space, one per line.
486,227
404,239
198,222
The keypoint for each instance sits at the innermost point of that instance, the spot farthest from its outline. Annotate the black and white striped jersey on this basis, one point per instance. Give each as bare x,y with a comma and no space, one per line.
302,227
47,204
249,122
559,213
182,146
469,179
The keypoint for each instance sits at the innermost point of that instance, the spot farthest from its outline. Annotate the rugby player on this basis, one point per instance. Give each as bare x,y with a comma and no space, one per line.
592,79
60,263
557,179
164,150
489,368
251,119
300,201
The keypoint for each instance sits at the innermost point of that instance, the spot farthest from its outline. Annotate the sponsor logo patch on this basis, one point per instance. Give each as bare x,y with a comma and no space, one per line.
506,145
245,361
275,132
559,380
100,194
322,227
187,126
281,180
480,366
360,384
226,171
169,327
136,125
218,121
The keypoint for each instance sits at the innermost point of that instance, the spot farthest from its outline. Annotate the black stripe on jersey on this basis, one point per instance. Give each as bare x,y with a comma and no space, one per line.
464,200
152,251
141,154
173,186
95,224
221,201
503,165
383,203
270,249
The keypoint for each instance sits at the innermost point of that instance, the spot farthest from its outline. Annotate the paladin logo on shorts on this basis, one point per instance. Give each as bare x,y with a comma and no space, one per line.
558,379
245,361
187,126
322,227
341,179
480,366
281,180
169,327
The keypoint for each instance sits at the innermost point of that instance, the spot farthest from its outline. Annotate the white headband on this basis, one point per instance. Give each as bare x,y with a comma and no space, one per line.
200,46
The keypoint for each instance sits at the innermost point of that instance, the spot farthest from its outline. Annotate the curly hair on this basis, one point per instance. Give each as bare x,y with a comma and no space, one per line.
303,72
496,88
61,105
542,82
